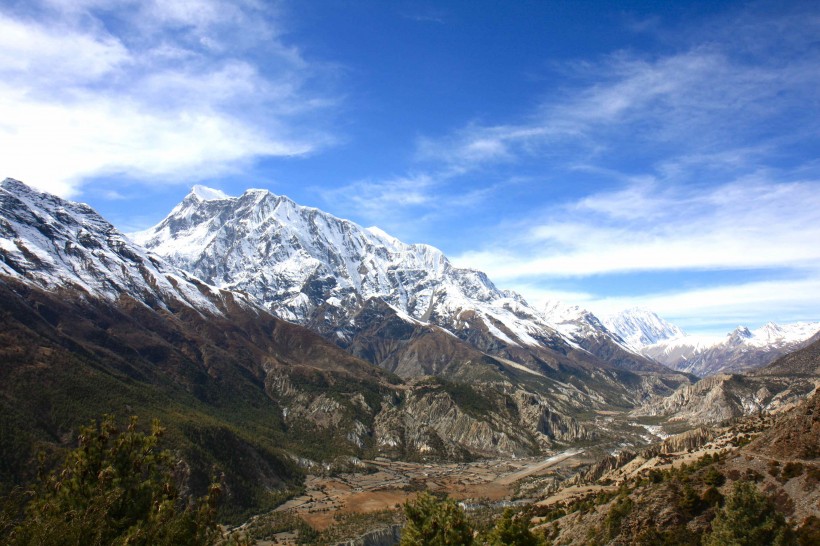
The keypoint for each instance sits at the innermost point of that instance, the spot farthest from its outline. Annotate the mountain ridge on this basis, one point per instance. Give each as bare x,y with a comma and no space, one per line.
312,268
640,327
739,350
100,325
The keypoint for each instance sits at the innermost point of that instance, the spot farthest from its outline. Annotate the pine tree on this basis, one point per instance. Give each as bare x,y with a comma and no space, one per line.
434,522
512,531
748,519
117,487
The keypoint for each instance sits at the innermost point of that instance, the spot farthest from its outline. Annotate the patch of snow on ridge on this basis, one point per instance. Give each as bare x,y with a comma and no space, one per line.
209,194
518,366
50,242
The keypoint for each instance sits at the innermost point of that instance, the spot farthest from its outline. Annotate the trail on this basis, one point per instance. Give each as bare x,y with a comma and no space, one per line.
535,468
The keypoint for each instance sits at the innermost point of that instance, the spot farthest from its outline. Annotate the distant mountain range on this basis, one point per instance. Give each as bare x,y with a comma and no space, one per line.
280,334
739,350
331,275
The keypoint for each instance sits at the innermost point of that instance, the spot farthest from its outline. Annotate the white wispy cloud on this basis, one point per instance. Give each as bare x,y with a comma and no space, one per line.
740,89
173,94
714,309
701,104
376,198
747,224
706,147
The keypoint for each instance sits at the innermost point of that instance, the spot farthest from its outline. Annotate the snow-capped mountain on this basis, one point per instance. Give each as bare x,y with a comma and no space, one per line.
587,331
573,321
72,285
701,355
295,259
79,298
300,262
641,327
312,268
739,350
59,245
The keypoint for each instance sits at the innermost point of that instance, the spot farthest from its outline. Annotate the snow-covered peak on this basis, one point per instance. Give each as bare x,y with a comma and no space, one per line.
557,312
205,193
578,323
299,261
783,334
738,350
641,327
740,334
381,234
57,244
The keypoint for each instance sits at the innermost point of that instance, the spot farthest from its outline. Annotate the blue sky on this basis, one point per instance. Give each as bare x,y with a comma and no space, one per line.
609,154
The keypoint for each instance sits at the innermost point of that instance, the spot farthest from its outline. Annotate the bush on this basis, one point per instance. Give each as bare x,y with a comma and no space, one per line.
792,470
434,522
116,488
748,518
621,508
689,502
713,477
512,531
711,496
808,534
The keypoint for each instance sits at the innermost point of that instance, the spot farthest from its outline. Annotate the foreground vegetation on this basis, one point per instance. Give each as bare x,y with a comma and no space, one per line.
701,503
116,487
119,486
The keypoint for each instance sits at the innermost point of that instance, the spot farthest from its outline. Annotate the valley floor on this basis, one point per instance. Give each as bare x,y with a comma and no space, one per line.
385,484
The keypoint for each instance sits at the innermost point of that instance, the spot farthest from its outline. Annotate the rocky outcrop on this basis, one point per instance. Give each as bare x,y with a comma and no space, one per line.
535,413
685,441
719,398
430,422
795,434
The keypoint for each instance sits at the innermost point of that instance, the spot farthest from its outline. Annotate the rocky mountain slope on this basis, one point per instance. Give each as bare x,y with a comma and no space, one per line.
395,304
93,324
722,397
672,492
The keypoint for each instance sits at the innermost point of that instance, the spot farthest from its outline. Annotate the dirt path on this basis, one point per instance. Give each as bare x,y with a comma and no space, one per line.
536,468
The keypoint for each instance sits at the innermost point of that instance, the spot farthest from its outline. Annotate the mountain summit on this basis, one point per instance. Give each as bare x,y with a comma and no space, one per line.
367,291
739,350
640,327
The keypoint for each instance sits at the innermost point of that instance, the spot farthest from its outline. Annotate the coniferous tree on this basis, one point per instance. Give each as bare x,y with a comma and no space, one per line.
512,531
434,522
748,519
116,488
